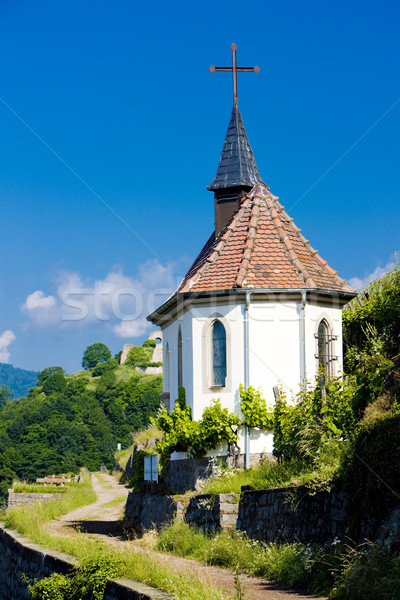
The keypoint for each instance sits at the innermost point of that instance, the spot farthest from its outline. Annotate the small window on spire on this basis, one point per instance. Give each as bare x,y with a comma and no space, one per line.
218,354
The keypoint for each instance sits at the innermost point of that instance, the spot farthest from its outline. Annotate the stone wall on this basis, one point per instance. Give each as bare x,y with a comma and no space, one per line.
213,512
292,514
123,589
189,474
148,511
15,499
18,556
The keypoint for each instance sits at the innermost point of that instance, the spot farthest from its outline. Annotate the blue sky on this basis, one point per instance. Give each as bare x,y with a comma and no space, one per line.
121,93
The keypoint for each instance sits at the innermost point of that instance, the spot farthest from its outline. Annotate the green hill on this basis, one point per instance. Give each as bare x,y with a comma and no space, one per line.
70,421
19,381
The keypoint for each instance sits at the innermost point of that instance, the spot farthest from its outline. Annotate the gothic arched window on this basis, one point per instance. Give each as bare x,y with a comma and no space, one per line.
179,359
218,354
325,340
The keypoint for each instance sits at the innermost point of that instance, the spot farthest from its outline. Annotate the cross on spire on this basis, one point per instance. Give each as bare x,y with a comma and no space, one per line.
234,68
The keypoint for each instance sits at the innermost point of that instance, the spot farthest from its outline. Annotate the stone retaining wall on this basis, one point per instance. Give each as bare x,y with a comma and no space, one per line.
146,511
189,473
16,499
213,513
124,589
275,515
292,514
18,556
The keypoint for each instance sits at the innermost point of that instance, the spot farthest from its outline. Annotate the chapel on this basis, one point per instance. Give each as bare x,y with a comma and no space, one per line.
258,307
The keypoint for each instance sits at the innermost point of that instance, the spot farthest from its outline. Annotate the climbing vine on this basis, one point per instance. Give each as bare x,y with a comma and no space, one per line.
255,409
182,434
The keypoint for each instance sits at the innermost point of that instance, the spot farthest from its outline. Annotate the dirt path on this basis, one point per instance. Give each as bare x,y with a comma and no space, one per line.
103,522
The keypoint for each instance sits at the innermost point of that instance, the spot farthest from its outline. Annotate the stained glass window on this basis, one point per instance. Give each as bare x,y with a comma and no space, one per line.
218,354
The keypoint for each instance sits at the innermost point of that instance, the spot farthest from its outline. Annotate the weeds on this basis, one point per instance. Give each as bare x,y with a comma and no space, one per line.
22,487
267,474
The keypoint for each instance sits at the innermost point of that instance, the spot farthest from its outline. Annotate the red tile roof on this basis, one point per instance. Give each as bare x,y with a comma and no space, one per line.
260,247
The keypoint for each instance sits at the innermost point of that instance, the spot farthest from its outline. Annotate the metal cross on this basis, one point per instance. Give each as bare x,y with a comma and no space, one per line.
234,68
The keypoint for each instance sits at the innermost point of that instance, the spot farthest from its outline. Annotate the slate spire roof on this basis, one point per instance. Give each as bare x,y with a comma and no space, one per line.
237,166
261,247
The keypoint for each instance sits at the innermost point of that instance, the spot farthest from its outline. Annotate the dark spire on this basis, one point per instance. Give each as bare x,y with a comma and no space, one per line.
237,166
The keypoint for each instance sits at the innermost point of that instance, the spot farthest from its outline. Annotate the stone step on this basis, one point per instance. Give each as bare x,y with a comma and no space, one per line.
228,509
228,520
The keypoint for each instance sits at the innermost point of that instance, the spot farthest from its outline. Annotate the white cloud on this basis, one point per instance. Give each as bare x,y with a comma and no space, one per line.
361,283
119,301
131,329
38,301
6,338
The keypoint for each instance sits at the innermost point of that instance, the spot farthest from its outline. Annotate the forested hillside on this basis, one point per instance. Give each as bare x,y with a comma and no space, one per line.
17,380
69,421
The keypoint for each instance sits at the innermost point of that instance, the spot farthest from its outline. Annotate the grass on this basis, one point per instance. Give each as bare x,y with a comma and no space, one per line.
369,573
21,487
294,564
152,433
114,502
267,474
133,564
101,478
123,456
343,572
30,518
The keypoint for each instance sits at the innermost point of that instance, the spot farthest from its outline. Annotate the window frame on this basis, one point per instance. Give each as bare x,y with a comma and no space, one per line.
207,363
327,367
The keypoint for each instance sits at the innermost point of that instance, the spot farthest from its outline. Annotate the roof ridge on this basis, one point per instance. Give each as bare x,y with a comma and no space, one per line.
324,263
275,208
223,239
249,246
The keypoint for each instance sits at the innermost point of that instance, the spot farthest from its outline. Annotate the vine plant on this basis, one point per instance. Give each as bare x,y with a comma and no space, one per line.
183,434
255,409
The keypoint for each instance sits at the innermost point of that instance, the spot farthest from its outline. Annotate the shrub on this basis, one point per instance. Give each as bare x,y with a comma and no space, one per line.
138,468
103,367
371,472
302,428
150,344
87,583
139,356
381,309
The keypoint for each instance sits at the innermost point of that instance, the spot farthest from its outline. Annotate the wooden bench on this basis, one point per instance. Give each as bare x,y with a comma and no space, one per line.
53,480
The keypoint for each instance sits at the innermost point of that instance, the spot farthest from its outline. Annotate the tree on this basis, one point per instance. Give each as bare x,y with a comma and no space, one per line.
48,372
5,395
54,383
95,353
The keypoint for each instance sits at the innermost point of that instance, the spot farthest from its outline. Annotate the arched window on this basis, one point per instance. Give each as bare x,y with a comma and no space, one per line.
325,340
218,354
179,359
